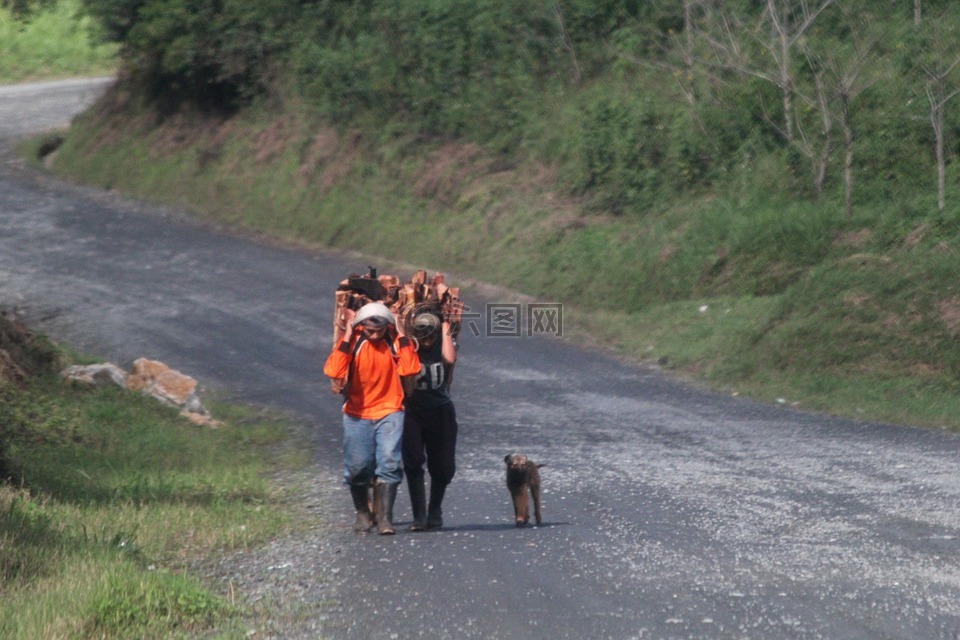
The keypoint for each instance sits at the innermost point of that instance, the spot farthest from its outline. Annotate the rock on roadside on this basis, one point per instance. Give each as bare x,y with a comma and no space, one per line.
151,378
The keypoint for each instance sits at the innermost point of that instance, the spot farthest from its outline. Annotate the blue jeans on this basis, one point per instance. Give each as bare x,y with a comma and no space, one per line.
371,448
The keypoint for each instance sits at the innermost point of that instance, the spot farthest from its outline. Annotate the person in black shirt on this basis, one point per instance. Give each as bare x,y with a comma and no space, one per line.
430,421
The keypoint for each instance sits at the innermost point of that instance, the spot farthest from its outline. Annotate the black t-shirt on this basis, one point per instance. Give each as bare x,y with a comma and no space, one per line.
433,382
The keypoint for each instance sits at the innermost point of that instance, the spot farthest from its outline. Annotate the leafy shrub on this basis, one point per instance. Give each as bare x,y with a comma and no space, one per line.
455,68
634,151
24,8
622,147
216,54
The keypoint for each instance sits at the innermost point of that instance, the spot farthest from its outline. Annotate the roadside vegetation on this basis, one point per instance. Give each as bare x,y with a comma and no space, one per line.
51,40
762,196
759,195
108,497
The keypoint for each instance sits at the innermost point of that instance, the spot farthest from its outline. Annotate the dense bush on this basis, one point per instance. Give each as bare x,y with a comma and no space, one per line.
213,53
24,8
660,108
461,68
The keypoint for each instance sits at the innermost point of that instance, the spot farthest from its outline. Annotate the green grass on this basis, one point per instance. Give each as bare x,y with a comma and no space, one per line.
53,43
112,495
743,346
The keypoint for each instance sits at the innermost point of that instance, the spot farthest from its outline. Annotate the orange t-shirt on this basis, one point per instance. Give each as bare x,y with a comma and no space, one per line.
374,389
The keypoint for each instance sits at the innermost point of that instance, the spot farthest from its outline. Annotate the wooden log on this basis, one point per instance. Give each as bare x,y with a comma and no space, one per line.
404,298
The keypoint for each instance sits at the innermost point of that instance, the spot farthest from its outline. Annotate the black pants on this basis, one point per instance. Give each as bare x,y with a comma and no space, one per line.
430,436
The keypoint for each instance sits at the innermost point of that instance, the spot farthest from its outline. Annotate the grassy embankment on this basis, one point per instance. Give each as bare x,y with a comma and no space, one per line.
111,496
681,232
850,316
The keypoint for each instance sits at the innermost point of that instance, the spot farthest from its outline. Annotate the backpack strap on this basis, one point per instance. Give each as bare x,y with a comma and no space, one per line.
361,340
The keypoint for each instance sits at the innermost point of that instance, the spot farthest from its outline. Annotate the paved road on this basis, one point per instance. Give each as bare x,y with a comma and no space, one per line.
670,512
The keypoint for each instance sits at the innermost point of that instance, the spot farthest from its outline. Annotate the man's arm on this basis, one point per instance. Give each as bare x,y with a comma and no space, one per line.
408,364
409,384
338,362
448,349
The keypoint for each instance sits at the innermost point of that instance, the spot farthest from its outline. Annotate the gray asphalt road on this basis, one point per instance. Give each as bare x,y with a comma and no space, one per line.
670,512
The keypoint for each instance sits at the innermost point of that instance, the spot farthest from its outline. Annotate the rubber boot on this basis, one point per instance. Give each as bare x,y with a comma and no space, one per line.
364,517
387,495
434,512
418,501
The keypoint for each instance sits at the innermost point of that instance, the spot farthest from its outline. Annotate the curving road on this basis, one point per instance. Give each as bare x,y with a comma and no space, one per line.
670,512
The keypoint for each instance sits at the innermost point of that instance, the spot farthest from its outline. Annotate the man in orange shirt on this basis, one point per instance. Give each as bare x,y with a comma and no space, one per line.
376,363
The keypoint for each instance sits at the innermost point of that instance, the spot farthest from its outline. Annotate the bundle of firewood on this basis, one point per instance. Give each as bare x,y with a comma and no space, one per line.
405,299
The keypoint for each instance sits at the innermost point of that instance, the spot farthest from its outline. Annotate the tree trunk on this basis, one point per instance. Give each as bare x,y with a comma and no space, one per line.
937,117
820,163
847,156
786,80
938,95
568,44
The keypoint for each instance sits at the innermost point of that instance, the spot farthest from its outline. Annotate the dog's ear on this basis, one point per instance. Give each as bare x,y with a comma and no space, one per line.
507,459
541,465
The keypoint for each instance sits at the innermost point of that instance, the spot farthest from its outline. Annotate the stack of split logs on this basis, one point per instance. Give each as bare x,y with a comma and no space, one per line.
405,299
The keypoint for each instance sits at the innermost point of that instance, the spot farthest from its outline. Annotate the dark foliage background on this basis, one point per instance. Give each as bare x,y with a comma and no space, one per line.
637,102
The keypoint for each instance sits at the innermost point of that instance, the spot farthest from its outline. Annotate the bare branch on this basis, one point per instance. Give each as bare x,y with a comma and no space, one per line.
567,43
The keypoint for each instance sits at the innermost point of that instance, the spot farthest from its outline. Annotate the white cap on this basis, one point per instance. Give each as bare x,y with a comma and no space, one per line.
376,311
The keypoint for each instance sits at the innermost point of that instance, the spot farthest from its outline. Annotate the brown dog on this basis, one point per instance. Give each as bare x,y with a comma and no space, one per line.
523,476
